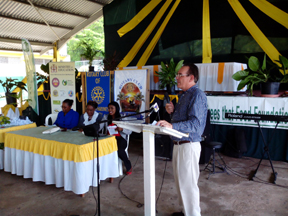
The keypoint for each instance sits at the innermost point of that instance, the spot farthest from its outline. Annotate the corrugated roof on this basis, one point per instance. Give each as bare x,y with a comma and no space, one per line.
19,19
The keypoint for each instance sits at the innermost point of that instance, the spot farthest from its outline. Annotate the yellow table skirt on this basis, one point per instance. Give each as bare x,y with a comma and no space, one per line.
13,128
61,150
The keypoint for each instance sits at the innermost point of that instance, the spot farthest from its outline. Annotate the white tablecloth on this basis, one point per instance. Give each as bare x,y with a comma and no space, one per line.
208,73
64,159
1,160
209,79
76,177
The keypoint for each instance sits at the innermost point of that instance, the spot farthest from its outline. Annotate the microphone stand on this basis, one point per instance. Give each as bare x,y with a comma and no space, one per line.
97,141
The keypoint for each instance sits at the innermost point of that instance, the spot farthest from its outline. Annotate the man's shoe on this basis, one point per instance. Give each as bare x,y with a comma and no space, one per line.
178,214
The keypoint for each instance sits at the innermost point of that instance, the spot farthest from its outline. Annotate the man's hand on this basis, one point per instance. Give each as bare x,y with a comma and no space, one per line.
169,107
164,124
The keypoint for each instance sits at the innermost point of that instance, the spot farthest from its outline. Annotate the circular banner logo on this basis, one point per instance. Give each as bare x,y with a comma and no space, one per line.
55,82
55,93
98,94
70,93
64,82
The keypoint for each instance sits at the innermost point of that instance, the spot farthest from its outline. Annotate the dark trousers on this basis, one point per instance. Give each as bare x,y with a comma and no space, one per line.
122,145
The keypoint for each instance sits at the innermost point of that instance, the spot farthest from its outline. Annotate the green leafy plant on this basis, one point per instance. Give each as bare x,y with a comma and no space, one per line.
283,68
254,74
10,84
168,74
43,77
89,53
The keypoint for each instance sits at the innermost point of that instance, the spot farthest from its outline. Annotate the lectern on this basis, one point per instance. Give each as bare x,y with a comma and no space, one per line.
149,158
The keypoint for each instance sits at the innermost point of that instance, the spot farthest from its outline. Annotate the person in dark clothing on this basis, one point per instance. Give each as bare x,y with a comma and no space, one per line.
121,136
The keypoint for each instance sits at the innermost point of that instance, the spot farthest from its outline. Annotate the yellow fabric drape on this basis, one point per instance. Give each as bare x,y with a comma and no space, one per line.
6,108
270,10
3,131
255,32
60,150
206,36
220,72
161,97
77,96
156,78
155,39
138,18
47,96
134,50
17,89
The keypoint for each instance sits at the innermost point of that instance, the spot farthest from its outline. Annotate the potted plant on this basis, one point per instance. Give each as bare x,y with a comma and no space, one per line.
9,85
167,76
89,53
44,78
254,74
268,78
283,69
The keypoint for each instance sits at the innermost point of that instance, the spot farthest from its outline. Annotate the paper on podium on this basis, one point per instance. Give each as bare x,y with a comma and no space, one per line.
157,129
51,130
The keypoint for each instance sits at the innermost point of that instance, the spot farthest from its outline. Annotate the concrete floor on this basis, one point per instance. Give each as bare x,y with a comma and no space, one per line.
222,194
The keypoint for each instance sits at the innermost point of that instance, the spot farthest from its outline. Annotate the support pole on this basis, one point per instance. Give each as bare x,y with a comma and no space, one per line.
149,172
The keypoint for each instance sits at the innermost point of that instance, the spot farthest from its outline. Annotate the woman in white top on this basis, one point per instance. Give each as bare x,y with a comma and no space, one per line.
90,116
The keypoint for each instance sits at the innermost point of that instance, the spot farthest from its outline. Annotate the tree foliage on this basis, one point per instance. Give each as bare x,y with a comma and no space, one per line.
93,35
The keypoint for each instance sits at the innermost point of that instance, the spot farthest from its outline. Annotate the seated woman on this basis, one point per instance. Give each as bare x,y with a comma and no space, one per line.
67,118
90,116
121,137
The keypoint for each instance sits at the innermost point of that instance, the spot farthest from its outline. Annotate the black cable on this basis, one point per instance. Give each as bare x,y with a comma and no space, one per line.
93,178
265,164
161,185
262,181
119,187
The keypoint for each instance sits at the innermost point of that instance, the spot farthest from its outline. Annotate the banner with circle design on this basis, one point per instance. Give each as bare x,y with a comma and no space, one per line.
98,89
62,84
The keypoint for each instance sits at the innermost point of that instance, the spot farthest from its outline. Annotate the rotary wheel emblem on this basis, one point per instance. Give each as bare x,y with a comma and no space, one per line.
98,94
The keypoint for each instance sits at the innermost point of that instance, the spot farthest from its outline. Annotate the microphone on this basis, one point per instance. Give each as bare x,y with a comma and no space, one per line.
166,98
154,108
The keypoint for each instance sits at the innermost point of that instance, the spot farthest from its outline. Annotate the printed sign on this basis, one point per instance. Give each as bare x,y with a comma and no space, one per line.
62,84
219,105
130,91
98,89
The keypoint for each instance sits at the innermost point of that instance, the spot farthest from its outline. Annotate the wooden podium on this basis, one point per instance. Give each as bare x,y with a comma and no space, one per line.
149,158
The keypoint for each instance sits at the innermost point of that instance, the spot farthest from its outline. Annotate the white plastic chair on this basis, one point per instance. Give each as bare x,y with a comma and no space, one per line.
53,118
120,166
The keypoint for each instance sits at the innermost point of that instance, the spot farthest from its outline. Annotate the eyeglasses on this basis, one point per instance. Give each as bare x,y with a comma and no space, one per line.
182,75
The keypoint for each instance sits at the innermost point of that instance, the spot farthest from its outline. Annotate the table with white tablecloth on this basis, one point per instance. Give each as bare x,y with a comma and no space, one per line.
4,130
66,159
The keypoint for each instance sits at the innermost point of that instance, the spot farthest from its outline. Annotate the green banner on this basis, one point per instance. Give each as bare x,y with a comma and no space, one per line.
30,74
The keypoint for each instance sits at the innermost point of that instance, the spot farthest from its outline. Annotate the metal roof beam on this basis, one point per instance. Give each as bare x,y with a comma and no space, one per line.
51,9
18,41
78,28
20,50
29,21
96,2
